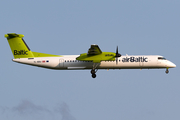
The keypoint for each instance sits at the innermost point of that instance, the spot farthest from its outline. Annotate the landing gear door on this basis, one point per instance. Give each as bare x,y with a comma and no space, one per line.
61,63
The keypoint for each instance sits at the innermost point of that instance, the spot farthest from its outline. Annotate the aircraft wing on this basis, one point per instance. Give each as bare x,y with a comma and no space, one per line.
95,55
94,50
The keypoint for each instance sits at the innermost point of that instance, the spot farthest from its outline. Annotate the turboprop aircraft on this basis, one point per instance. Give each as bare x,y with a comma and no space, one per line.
94,59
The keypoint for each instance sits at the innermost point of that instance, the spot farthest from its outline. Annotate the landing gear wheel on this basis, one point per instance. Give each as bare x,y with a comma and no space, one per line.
167,71
93,71
94,75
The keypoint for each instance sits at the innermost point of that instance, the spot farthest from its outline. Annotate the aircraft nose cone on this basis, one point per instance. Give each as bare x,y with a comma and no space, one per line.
172,65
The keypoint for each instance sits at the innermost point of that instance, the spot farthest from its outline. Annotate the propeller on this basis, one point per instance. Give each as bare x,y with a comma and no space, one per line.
117,55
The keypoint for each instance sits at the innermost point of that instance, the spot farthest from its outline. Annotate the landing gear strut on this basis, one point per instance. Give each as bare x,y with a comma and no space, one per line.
93,71
167,71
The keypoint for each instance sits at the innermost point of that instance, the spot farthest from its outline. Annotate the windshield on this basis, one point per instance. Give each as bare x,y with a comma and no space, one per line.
161,58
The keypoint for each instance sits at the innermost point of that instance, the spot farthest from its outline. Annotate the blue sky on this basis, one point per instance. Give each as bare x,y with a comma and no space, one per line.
70,27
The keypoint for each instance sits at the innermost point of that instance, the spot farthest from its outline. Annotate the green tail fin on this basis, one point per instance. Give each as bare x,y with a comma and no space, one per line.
18,46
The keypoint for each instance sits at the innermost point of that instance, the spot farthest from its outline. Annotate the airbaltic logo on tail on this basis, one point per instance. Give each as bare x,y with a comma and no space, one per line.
20,52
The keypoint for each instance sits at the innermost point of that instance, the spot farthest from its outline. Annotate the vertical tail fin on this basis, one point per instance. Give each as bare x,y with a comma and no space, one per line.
18,46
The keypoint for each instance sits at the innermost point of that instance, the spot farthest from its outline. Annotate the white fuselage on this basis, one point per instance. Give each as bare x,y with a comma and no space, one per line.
69,62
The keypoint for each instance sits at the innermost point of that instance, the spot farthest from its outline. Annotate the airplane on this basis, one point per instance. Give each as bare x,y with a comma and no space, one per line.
94,59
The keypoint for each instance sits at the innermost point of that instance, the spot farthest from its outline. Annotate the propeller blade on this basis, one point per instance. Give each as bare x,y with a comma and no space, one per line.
117,55
117,50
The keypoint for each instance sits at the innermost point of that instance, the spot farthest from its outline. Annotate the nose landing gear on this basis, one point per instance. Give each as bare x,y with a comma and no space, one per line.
167,71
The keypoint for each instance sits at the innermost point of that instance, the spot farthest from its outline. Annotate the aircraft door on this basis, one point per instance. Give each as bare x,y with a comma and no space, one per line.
61,63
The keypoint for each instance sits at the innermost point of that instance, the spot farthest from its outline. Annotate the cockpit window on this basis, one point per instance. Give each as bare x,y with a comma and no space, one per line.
161,58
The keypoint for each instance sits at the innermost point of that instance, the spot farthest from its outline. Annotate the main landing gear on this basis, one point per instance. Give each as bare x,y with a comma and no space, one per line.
167,71
93,72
